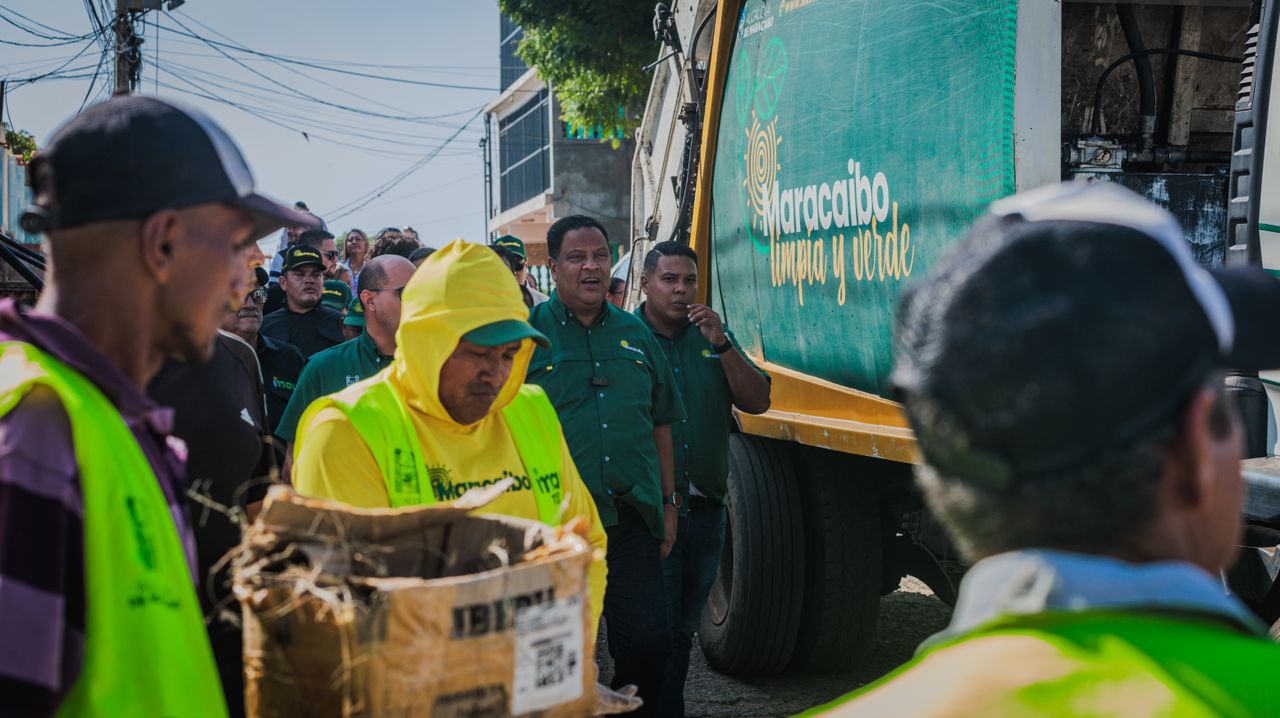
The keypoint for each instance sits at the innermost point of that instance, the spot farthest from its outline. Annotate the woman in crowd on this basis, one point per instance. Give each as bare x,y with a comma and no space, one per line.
354,248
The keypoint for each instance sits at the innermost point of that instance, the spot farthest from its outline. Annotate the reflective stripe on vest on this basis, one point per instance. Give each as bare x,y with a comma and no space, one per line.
146,651
382,420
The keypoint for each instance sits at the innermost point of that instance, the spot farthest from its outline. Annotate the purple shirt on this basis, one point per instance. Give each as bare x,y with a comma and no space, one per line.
42,582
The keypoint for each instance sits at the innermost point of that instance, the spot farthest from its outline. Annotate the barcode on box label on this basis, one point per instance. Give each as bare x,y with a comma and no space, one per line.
548,666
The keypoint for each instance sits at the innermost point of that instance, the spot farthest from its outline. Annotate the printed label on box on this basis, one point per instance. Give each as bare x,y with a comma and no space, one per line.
548,656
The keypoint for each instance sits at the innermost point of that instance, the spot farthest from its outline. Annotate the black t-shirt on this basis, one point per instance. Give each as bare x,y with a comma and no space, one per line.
281,365
311,332
218,412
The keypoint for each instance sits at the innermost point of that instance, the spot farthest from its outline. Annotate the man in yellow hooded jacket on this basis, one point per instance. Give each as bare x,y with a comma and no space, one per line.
450,413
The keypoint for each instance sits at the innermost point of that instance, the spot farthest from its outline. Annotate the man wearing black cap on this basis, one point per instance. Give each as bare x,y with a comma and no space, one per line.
304,322
140,193
1062,369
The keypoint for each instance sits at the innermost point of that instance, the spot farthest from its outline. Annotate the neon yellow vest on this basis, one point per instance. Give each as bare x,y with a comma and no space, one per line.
382,420
1094,664
146,651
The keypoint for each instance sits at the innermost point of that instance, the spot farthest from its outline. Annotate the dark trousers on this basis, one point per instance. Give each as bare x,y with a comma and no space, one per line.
633,608
687,575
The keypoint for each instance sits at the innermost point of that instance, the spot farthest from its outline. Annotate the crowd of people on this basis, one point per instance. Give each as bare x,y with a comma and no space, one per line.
373,371
137,428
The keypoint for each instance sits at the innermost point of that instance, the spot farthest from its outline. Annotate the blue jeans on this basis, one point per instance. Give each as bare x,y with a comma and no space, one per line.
687,575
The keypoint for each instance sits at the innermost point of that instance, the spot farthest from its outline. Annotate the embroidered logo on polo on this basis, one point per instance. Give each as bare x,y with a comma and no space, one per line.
446,489
708,354
627,345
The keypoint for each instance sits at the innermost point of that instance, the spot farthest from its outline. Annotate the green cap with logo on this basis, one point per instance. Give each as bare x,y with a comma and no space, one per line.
336,294
355,313
512,244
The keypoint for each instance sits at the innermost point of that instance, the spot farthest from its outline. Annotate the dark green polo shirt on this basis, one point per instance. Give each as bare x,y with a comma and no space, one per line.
331,370
609,427
701,440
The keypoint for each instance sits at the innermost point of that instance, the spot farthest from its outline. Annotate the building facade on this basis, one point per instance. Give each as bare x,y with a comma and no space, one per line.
540,169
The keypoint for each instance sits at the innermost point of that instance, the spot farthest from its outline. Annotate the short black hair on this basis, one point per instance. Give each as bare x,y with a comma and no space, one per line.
395,244
313,238
668,249
616,285
421,253
555,235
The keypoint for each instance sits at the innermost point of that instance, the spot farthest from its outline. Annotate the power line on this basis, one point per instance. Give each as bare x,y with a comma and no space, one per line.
265,116
370,196
295,91
325,68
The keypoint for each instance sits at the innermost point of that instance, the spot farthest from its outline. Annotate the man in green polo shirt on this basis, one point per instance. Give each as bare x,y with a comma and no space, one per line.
334,369
712,376
615,393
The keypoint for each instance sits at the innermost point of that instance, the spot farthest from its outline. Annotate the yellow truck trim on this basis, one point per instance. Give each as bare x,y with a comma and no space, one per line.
717,71
805,409
815,412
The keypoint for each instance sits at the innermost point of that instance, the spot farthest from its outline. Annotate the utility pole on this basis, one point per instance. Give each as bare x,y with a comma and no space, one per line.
126,48
487,152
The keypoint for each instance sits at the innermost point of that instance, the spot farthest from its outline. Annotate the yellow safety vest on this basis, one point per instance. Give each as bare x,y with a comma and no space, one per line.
146,651
383,422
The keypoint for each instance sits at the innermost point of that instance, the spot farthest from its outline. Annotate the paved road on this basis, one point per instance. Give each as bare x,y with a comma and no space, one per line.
907,617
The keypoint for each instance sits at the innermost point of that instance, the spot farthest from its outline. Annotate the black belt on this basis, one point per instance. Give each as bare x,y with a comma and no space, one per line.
702,503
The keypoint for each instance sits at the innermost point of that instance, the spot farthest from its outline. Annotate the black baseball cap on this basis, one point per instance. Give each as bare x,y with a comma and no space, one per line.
1070,320
300,255
130,156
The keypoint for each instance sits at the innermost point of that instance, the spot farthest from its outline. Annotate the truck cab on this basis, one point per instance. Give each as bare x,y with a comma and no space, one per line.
819,155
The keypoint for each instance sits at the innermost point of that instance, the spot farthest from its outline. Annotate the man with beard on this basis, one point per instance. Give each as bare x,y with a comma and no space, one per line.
712,377
303,322
615,393
281,363
138,193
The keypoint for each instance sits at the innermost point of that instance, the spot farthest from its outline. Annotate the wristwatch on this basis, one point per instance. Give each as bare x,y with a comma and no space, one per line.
674,499
722,348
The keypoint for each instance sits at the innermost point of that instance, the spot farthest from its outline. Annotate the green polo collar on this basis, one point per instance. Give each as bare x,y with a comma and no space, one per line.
563,314
365,344
645,318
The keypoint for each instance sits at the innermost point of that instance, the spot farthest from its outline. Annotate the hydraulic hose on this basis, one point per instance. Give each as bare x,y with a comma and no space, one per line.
1142,65
1095,126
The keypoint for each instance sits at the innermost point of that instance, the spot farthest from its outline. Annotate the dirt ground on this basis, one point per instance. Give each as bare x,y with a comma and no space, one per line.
907,617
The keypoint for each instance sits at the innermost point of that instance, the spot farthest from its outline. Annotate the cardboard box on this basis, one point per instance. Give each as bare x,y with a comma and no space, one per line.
427,611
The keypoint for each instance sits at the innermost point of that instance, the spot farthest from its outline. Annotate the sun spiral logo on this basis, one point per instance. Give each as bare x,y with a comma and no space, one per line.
762,165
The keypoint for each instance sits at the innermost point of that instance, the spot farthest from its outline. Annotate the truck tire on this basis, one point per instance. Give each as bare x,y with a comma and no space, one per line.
843,569
753,613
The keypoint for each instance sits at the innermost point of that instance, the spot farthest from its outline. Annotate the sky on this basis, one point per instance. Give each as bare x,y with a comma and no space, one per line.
423,41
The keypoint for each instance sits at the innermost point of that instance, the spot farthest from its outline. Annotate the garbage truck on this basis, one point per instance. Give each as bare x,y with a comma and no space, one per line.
821,154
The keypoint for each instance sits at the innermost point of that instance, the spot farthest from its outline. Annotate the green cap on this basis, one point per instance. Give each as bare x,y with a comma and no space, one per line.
505,331
336,294
512,244
355,313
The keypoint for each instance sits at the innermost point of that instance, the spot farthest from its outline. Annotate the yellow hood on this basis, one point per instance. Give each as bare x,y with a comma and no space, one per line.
461,287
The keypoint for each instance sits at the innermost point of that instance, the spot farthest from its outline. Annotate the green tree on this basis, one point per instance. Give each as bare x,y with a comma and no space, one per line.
20,143
592,52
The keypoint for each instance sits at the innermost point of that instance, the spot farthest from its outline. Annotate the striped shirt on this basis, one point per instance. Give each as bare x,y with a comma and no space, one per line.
42,581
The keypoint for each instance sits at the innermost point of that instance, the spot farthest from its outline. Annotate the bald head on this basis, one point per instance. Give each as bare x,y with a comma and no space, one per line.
378,286
376,272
